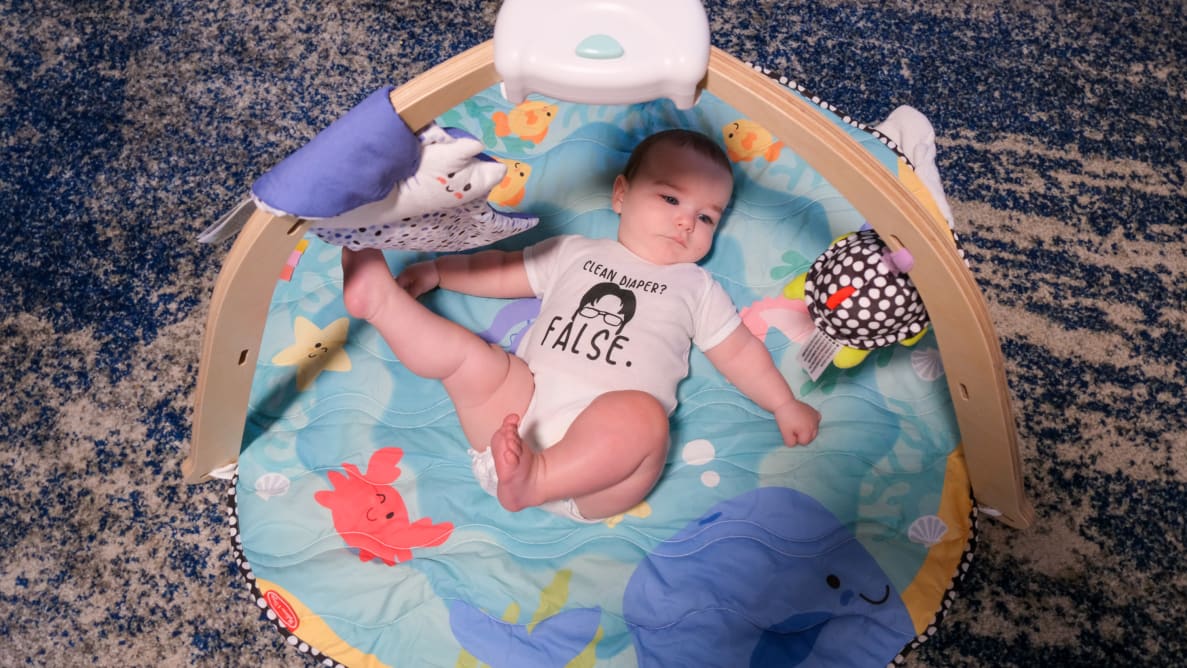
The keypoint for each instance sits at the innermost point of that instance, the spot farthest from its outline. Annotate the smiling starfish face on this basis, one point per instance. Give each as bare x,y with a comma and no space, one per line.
315,349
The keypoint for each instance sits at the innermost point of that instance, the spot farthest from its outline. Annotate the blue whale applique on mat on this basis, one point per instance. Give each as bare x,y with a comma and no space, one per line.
770,577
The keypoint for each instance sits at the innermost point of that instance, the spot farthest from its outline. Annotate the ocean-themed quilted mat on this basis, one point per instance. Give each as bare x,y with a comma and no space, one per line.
366,539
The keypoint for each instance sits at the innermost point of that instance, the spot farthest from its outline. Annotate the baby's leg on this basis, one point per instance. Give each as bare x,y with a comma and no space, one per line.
609,459
484,381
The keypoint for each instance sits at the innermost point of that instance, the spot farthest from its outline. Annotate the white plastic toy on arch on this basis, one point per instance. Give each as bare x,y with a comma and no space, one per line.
602,52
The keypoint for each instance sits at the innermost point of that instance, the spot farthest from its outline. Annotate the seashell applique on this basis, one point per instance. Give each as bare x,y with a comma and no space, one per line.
927,363
272,484
927,530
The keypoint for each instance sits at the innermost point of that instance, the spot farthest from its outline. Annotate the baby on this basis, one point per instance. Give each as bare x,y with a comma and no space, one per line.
577,420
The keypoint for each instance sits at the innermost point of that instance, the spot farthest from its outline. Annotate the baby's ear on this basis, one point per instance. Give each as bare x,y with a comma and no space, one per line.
616,196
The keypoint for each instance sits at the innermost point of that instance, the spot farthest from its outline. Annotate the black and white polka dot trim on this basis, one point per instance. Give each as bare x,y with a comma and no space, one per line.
460,228
845,118
258,597
950,595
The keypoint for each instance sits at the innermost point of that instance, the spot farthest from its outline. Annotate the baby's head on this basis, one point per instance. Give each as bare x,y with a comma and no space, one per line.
671,195
684,139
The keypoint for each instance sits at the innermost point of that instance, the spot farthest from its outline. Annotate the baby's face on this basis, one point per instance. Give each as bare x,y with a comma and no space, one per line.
670,210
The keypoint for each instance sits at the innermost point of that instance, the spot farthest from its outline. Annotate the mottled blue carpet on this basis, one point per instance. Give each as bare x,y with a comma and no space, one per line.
126,128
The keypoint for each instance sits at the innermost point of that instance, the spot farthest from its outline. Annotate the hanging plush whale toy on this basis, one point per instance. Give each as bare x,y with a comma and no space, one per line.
860,298
367,181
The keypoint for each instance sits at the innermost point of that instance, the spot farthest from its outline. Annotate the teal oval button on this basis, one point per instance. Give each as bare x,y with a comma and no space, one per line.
599,47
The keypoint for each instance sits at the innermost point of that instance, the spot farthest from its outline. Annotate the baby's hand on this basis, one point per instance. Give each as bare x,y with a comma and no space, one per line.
798,422
419,278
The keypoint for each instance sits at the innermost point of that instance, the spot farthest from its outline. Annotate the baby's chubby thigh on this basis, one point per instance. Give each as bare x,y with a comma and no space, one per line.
620,446
500,384
626,421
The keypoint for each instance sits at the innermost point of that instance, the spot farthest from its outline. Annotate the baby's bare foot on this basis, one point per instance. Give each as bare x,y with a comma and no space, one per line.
513,464
366,281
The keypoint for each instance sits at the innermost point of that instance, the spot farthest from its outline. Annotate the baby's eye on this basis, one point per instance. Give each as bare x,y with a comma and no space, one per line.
708,220
670,200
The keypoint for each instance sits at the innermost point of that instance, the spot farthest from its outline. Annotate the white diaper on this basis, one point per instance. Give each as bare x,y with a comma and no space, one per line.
483,465
548,416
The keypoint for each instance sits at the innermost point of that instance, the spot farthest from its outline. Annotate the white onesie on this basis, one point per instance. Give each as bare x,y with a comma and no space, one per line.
608,321
612,321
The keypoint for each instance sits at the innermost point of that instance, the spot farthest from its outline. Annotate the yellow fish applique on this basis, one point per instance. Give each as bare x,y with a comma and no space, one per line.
510,191
315,350
528,120
746,140
642,510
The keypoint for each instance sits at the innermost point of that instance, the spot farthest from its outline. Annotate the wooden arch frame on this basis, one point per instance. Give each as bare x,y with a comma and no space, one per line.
969,346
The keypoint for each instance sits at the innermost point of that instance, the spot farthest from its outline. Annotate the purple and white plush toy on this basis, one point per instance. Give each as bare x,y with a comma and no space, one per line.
367,181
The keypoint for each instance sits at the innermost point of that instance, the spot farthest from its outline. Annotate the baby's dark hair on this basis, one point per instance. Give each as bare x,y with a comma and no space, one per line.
678,137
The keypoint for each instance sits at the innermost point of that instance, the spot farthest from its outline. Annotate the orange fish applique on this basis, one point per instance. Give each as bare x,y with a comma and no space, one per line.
370,514
510,191
746,140
528,120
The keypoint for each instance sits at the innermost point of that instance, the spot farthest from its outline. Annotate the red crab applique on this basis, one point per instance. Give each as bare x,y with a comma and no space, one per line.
370,514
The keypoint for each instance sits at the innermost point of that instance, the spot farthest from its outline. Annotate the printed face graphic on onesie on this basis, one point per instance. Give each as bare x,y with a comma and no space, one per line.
610,320
595,329
612,305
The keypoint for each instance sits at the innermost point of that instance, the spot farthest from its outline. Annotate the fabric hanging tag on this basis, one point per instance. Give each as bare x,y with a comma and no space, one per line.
230,224
817,354
225,472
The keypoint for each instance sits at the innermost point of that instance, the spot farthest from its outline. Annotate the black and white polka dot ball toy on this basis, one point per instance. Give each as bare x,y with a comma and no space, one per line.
859,294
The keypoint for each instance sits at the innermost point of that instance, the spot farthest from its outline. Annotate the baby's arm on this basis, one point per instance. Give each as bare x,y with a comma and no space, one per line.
746,363
489,273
